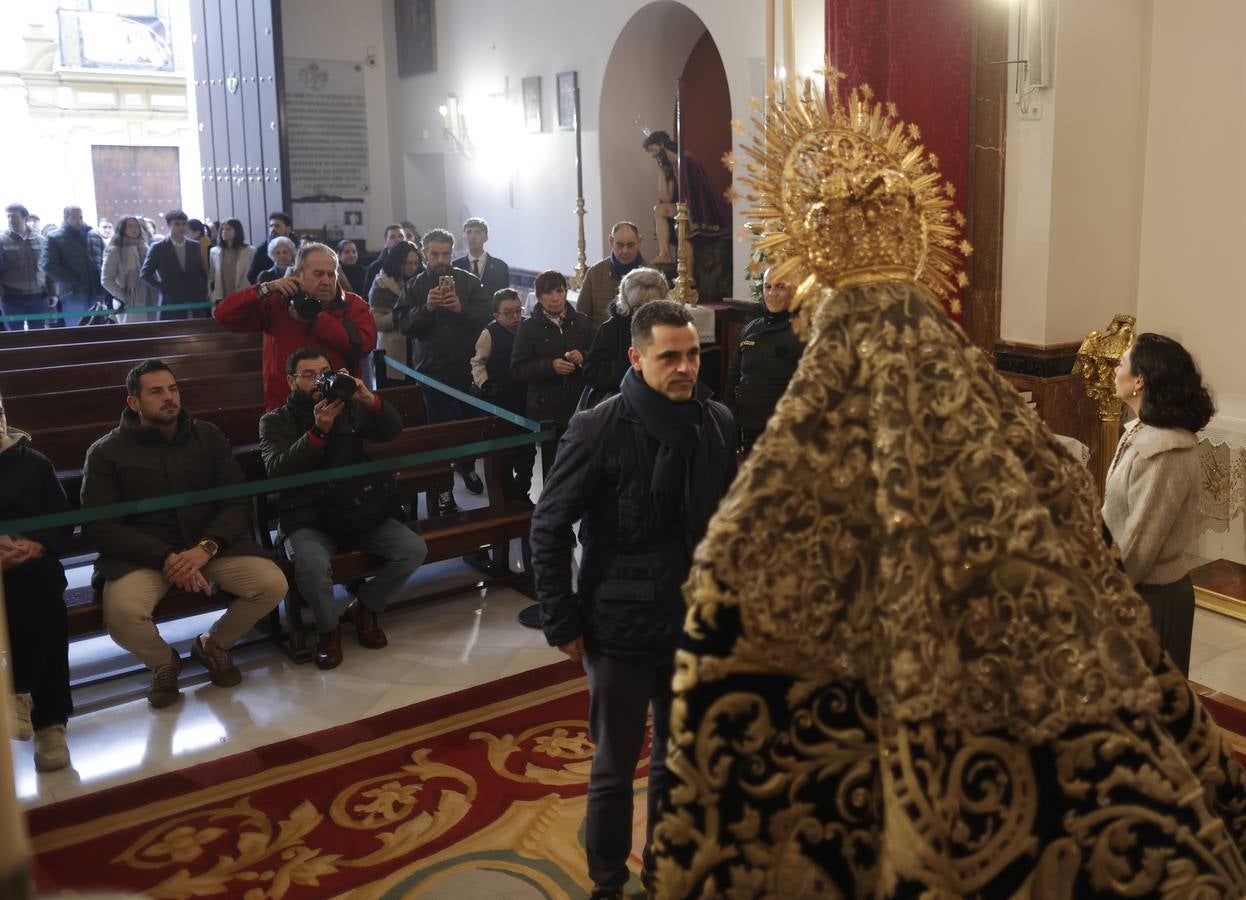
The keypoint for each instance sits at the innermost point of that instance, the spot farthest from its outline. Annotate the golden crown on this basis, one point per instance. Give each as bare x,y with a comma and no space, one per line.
845,195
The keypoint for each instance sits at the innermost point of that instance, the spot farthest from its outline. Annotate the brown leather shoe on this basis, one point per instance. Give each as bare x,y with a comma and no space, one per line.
366,626
329,650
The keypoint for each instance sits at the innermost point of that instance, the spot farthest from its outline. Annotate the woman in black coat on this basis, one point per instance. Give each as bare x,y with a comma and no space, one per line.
607,360
549,354
34,598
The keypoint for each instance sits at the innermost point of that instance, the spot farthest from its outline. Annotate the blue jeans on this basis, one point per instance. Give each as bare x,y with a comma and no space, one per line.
25,305
312,552
74,305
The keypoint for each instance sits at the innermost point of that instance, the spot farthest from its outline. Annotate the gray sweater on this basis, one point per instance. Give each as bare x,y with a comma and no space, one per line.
1150,503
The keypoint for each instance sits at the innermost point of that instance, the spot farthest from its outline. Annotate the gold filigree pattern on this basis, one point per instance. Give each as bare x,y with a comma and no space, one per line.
564,742
912,666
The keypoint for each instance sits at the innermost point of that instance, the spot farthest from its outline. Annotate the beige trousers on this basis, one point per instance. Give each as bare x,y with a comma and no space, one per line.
256,583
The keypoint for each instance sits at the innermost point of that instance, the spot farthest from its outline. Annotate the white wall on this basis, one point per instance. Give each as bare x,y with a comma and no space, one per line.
524,184
1074,178
1190,284
313,29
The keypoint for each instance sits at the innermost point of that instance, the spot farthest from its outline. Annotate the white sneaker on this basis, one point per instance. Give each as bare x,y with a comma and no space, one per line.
51,751
22,729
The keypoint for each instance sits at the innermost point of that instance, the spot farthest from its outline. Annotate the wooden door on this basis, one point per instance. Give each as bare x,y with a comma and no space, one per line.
136,181
238,85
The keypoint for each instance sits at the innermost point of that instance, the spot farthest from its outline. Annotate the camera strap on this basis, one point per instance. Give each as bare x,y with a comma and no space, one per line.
356,343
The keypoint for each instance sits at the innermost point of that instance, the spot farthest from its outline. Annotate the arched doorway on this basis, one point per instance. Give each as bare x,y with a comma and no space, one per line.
663,42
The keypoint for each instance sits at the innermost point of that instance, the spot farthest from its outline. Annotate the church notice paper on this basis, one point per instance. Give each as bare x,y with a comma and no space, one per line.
326,126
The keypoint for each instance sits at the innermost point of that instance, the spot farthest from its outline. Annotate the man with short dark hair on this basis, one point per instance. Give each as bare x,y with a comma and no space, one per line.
73,257
159,450
493,273
174,266
601,281
279,225
314,432
308,308
642,472
393,234
23,284
444,310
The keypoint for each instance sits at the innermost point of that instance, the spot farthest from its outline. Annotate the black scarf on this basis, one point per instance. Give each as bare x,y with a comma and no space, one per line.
620,268
677,427
303,406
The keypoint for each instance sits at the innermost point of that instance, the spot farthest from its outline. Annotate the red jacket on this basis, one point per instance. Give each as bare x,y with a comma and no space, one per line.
244,311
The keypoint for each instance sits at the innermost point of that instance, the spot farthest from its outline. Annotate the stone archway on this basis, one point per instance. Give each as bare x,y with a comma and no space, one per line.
661,43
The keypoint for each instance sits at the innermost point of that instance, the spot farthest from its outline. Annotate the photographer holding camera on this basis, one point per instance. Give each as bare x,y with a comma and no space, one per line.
323,425
306,308
444,309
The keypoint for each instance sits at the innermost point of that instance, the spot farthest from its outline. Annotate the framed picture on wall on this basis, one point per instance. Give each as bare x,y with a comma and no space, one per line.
566,99
532,103
417,37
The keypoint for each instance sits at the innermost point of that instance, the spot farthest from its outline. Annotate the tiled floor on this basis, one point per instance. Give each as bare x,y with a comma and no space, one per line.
1218,653
433,650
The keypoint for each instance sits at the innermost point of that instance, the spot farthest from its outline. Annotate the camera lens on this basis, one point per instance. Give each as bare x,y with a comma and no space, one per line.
336,386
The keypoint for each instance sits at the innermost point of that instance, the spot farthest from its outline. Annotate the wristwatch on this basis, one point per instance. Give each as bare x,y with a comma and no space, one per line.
263,290
211,546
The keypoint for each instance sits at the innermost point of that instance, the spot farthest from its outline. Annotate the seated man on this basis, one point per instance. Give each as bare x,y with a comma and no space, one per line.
305,308
159,449
313,432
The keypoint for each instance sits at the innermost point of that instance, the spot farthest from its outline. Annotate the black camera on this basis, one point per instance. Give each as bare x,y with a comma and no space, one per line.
336,386
305,305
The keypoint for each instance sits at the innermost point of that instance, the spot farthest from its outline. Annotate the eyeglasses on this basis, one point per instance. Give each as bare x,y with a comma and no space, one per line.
510,313
310,376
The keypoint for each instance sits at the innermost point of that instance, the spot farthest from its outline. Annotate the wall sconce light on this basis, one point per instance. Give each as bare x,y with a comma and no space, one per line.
454,125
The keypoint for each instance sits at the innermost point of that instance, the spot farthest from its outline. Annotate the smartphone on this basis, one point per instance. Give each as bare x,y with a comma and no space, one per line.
446,283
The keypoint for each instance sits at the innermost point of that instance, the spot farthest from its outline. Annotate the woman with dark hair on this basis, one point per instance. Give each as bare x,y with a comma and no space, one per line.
1150,501
349,267
402,263
123,259
231,259
549,356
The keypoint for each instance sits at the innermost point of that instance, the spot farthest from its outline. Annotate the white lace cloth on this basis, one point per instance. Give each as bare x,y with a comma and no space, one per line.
1222,457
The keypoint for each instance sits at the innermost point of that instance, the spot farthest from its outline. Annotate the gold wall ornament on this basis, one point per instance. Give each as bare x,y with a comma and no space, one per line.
1096,364
851,196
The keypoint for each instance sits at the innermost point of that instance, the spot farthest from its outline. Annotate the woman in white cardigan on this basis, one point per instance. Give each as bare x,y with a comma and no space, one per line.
123,259
1150,502
231,258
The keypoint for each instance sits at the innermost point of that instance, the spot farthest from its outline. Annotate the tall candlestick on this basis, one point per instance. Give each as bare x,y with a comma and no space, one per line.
679,139
766,91
579,157
789,43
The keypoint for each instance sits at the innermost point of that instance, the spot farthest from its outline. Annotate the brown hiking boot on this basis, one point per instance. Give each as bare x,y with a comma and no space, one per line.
366,626
216,660
163,691
329,650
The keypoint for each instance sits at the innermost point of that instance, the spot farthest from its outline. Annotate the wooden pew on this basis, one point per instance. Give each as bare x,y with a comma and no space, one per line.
78,334
156,347
447,537
52,379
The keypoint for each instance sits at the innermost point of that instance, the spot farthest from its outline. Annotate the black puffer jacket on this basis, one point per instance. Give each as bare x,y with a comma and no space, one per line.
538,343
629,601
288,449
764,364
134,462
29,487
444,341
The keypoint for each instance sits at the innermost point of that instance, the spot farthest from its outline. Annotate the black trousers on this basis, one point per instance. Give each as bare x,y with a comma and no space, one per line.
517,473
34,605
1172,615
438,408
621,692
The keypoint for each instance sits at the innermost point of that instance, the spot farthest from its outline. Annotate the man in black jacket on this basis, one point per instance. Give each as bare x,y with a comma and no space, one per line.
764,362
174,267
493,273
643,473
316,432
158,450
279,225
445,318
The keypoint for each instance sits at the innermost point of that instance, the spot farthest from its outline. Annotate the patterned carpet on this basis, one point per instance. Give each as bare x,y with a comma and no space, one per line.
478,794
